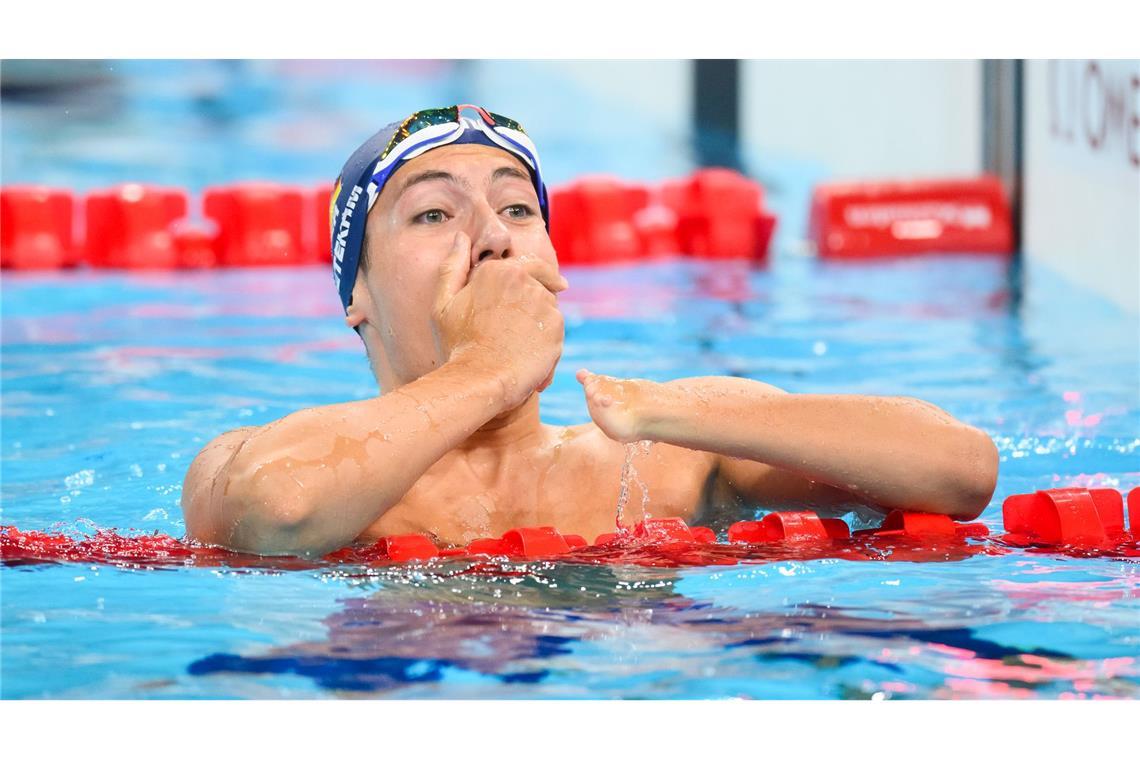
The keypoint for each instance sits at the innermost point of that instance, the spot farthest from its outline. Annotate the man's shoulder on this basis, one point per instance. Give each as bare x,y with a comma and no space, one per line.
592,440
217,453
225,443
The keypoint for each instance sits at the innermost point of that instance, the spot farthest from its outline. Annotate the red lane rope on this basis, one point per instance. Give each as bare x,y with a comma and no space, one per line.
1074,521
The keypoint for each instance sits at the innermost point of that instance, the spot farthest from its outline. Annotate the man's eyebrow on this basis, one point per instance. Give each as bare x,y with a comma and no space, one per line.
428,176
509,171
438,174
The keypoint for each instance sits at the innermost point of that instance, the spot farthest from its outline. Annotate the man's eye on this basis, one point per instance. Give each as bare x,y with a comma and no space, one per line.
519,211
434,216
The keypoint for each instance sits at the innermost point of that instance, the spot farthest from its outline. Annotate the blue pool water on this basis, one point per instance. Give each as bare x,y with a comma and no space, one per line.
112,383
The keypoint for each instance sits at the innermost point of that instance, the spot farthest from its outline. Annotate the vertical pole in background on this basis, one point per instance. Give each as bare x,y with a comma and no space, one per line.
1002,130
716,112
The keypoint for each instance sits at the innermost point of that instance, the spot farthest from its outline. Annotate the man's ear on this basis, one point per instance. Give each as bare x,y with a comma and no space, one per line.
358,307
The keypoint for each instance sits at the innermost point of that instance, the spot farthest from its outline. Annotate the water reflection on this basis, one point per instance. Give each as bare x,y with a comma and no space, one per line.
548,630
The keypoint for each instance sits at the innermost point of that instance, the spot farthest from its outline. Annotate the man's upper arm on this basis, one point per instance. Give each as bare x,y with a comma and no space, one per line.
763,485
201,498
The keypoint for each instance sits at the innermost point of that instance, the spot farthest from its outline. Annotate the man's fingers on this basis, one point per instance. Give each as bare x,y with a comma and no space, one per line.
546,383
454,269
545,272
550,378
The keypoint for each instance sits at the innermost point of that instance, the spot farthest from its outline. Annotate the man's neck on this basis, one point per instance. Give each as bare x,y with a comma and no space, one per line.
508,431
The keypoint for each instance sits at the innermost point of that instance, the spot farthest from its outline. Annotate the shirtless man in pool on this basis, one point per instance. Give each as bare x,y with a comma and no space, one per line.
452,285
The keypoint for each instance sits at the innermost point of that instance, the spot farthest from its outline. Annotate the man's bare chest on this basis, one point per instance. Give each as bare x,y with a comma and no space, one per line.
576,490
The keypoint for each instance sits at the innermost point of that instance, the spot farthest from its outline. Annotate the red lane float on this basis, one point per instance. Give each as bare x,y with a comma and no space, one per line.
703,535
869,219
666,529
404,548
1076,517
657,228
196,247
659,542
318,235
542,541
17,546
130,226
919,524
722,216
713,213
661,531
591,221
534,542
36,228
1059,520
1134,512
792,527
259,224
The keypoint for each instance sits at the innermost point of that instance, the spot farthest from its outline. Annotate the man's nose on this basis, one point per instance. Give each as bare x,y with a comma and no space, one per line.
490,239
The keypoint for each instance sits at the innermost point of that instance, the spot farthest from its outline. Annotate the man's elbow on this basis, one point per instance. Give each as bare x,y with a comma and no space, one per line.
272,518
975,472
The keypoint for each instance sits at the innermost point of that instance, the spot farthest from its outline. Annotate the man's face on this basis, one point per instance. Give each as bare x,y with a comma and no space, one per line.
481,191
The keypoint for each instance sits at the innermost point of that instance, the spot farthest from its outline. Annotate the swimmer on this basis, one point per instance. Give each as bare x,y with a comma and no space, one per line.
443,261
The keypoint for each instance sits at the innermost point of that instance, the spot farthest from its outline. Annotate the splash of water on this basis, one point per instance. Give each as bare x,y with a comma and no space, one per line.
629,475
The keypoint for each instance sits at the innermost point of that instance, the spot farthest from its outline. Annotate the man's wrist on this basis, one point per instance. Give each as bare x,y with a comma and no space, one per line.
485,374
655,413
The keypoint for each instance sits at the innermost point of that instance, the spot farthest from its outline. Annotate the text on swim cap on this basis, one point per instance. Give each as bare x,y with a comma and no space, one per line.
342,232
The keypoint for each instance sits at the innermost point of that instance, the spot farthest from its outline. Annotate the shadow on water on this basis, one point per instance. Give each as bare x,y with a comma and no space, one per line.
540,626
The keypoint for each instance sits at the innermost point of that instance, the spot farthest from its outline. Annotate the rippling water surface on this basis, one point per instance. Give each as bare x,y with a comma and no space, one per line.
111,384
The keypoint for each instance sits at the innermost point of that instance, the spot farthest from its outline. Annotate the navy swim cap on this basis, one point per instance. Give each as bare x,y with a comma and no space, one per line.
372,164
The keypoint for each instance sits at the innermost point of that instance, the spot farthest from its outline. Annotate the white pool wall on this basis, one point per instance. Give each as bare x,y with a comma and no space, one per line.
1082,174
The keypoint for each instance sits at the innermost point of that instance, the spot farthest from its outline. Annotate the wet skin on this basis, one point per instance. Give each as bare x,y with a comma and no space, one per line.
458,310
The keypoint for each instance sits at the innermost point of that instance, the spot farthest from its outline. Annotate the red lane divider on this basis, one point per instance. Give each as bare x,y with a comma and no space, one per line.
661,530
36,228
921,524
657,228
105,546
130,226
713,213
259,224
404,548
868,219
196,248
574,541
1060,519
703,535
319,233
591,221
722,216
528,543
1077,517
534,542
790,527
1134,512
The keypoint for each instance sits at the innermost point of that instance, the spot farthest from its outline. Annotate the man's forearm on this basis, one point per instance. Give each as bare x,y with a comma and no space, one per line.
313,481
889,451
